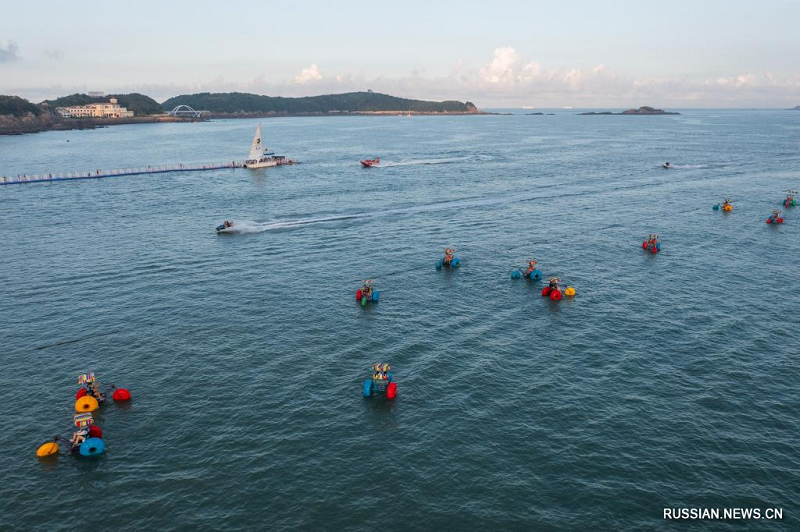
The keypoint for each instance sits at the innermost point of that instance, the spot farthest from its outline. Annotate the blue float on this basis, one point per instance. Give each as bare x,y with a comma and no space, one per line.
374,295
516,274
535,275
452,264
92,447
367,388
716,207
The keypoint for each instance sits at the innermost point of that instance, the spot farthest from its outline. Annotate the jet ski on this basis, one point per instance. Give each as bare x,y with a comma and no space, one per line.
666,165
226,227
371,163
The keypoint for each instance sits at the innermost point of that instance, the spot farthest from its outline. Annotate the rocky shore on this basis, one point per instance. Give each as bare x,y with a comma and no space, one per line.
30,123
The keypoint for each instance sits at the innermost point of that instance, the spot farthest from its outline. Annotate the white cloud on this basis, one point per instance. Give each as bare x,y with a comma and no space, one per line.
308,75
501,69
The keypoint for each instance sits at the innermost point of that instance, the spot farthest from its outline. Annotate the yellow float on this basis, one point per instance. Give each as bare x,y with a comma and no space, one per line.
569,291
48,449
728,207
86,403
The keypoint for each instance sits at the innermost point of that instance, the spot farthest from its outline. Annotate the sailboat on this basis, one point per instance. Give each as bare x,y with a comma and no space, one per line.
258,158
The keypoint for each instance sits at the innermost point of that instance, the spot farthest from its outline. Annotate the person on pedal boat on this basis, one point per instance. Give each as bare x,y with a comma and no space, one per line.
531,266
448,255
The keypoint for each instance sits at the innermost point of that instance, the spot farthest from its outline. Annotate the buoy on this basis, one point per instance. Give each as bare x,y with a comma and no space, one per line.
367,388
391,390
555,295
80,393
95,431
569,291
535,275
715,207
48,449
439,264
358,295
121,394
374,295
92,447
87,403
545,291
516,274
729,207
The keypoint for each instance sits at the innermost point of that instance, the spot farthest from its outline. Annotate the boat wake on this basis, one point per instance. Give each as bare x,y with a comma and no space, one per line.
418,162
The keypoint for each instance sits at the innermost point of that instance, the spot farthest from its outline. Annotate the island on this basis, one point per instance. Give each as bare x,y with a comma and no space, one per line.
84,111
644,110
795,108
241,104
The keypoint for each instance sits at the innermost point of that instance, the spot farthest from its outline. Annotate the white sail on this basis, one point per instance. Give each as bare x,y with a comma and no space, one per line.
257,148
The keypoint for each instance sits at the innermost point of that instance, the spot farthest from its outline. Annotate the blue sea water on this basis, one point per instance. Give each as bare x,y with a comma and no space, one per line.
669,381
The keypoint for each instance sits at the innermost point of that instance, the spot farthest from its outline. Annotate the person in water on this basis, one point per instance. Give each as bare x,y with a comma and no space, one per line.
531,266
448,255
79,436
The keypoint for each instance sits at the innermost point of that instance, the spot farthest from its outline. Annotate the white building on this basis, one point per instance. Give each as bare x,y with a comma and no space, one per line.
96,110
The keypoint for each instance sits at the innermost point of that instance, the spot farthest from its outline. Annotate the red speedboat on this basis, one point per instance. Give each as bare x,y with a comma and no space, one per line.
369,163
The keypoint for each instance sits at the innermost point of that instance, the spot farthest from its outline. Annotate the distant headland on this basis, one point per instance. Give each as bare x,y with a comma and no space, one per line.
644,110
86,111
795,108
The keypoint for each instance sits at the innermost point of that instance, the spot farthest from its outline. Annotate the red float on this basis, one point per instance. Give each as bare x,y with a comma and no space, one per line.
121,394
780,220
95,431
769,220
555,295
358,295
644,245
80,393
654,250
391,390
545,291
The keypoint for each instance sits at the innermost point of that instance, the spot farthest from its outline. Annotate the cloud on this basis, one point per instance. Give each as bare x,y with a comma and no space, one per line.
308,75
55,55
9,53
506,80
501,68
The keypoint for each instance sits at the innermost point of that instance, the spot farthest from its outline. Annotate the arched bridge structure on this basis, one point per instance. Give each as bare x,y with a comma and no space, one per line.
185,110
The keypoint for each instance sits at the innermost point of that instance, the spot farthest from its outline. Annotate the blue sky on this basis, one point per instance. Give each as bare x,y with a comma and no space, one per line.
543,54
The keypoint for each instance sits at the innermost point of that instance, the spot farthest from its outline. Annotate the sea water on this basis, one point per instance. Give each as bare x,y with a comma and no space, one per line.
669,381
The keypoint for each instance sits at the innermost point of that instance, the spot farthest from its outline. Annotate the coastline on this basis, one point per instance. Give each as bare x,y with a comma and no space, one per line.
11,125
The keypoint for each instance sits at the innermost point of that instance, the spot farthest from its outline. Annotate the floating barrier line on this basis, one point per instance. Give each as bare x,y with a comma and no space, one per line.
99,174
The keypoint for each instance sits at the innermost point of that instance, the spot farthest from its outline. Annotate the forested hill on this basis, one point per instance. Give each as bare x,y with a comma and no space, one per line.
353,102
16,106
140,104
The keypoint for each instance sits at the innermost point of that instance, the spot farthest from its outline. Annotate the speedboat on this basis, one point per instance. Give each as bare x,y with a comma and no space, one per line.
370,163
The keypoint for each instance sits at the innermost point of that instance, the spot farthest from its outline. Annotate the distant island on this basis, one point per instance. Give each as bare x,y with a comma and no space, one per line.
19,116
796,108
232,104
539,114
644,110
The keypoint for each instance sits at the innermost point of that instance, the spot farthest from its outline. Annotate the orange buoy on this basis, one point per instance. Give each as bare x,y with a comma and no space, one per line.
87,403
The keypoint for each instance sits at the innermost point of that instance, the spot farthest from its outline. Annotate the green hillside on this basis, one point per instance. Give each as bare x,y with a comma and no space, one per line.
239,102
140,104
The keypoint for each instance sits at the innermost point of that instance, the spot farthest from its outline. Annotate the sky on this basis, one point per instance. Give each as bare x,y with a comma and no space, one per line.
584,54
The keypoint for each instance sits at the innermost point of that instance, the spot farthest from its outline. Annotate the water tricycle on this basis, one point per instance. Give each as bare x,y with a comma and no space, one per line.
89,397
531,272
554,292
225,227
371,163
367,292
791,199
449,260
86,441
725,206
775,218
381,382
652,244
